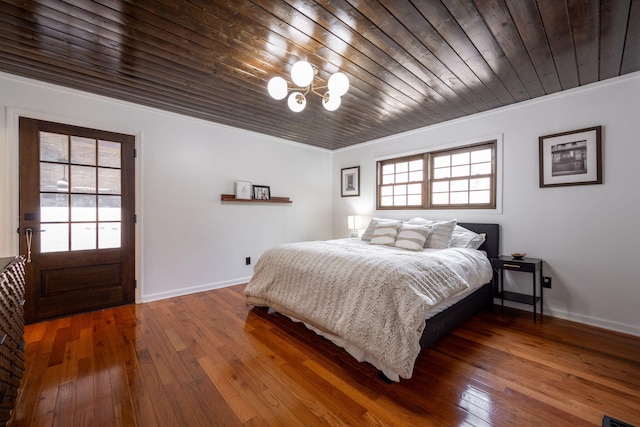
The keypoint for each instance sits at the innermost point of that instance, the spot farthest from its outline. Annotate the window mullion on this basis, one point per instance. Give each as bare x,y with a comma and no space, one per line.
426,183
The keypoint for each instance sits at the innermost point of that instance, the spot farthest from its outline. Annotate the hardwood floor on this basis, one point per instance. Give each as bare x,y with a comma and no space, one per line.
207,359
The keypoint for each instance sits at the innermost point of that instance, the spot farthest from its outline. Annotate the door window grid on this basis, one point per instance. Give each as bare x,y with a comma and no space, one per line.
80,200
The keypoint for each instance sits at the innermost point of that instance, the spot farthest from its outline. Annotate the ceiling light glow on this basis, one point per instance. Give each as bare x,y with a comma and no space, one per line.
303,75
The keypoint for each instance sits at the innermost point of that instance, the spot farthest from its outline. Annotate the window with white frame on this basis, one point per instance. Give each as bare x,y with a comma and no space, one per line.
455,178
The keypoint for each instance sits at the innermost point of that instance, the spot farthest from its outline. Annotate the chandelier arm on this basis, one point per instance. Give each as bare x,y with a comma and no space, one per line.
314,87
304,90
311,88
317,93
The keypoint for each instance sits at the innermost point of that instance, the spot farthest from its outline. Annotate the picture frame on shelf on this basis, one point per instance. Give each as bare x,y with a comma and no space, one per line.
350,182
571,158
261,192
243,190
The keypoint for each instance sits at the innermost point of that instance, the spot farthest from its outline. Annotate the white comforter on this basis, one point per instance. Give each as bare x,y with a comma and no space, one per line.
372,300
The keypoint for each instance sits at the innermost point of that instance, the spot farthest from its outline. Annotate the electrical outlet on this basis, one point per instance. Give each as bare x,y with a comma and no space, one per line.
546,282
247,261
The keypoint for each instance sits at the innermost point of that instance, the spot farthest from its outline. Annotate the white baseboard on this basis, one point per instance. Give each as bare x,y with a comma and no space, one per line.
192,290
597,322
579,318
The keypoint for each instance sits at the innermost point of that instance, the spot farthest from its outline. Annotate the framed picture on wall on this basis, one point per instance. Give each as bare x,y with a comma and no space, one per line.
350,181
571,158
243,190
261,192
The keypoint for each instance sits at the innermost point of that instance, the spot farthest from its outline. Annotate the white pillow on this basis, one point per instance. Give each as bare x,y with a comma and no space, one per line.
440,234
412,237
421,221
385,233
368,233
464,238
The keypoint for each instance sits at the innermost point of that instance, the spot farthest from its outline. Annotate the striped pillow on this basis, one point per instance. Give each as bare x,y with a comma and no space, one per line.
412,237
440,235
385,233
368,233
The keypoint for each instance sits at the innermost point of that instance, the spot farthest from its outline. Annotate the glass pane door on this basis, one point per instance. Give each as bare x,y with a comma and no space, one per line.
80,194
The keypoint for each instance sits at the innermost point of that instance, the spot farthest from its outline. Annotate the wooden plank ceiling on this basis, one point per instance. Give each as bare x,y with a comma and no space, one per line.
411,63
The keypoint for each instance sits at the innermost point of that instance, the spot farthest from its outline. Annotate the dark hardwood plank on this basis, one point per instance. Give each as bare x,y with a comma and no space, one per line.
527,19
207,359
468,17
411,63
503,29
413,44
376,46
401,91
631,55
585,23
179,87
555,18
376,42
613,29
451,33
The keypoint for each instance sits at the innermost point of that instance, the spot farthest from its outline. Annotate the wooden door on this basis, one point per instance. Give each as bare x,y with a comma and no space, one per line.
76,218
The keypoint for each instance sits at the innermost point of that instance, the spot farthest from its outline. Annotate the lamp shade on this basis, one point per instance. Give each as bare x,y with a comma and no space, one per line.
296,102
302,73
62,185
338,84
354,222
277,88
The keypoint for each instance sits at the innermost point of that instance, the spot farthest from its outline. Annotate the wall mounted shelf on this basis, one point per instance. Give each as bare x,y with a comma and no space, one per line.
232,198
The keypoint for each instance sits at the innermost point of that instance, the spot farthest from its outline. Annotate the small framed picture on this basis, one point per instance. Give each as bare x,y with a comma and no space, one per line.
350,182
243,190
261,192
571,158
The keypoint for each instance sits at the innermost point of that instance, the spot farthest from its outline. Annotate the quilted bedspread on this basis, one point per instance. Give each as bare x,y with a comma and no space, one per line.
372,300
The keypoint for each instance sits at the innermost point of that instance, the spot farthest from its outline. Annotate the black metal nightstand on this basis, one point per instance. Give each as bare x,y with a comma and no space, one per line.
525,265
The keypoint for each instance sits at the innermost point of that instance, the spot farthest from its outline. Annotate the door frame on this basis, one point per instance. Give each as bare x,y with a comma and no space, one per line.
12,160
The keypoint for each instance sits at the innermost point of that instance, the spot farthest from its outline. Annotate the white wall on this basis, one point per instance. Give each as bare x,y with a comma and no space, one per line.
587,235
187,239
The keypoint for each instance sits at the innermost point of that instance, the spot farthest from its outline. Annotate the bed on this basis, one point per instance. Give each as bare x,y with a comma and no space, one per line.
381,304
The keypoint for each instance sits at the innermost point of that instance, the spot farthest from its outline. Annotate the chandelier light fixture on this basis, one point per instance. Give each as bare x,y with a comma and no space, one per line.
303,75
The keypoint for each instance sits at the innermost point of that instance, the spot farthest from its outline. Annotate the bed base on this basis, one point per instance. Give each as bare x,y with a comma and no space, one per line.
447,320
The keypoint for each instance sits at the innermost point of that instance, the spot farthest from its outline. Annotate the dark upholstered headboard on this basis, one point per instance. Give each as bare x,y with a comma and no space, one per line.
491,244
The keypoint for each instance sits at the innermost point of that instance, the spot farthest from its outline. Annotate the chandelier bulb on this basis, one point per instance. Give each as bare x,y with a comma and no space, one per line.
302,73
296,102
330,101
278,88
338,84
